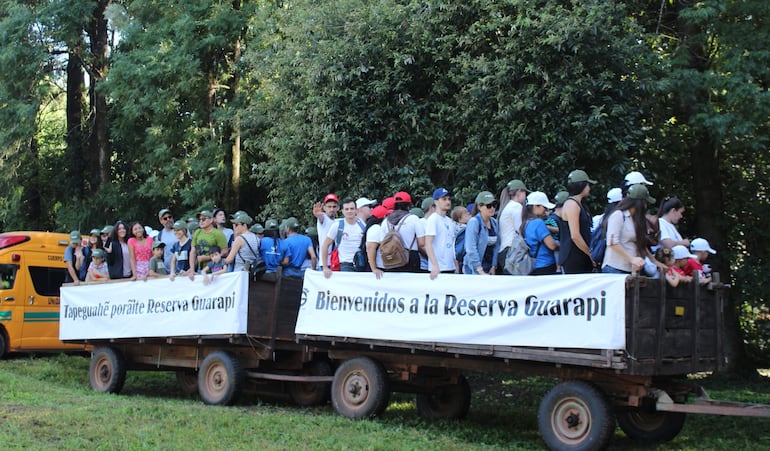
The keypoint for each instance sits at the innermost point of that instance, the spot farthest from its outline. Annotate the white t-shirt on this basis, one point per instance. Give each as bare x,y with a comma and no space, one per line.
351,238
667,231
442,229
509,222
323,231
373,236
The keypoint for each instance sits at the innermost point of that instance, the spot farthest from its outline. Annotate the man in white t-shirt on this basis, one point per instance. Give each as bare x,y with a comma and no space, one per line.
325,214
440,235
346,243
411,229
510,220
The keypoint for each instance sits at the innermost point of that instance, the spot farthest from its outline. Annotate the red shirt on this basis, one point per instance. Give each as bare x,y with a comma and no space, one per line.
691,266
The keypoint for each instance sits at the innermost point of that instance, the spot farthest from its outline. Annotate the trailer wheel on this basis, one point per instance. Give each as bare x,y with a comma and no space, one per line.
107,371
312,393
220,378
187,381
651,426
3,343
575,415
447,402
360,388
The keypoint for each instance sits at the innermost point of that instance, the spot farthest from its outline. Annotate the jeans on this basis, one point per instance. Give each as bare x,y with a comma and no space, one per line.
610,270
347,267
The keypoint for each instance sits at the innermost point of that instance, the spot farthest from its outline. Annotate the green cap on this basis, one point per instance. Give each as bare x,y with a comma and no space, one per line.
426,203
560,197
240,217
484,198
163,212
193,225
206,213
257,228
180,225
311,231
579,176
75,237
271,224
158,243
95,232
515,185
98,253
107,229
417,212
640,192
292,223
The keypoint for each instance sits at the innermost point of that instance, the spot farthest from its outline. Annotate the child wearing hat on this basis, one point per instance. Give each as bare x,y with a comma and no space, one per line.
157,265
681,255
97,269
700,249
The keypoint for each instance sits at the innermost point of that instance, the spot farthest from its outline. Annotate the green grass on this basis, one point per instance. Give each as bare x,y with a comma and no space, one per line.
46,403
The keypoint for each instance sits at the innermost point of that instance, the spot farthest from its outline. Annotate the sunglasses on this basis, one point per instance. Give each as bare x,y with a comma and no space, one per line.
166,218
490,206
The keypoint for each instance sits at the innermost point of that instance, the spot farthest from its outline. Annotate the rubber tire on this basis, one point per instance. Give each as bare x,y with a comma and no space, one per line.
448,402
310,394
576,415
187,380
652,426
220,378
3,343
107,370
360,389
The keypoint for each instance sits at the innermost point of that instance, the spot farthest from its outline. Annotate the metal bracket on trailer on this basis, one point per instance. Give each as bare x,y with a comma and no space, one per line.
705,405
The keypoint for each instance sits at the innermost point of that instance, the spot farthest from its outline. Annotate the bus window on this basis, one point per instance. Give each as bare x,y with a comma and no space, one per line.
7,276
46,281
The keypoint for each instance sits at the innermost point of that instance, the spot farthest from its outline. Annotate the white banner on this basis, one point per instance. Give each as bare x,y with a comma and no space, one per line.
156,308
565,311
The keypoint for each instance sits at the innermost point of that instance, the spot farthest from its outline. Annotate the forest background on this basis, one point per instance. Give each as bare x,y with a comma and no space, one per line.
114,109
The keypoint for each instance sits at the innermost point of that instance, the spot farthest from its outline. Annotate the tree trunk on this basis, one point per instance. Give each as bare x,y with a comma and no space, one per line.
98,136
77,159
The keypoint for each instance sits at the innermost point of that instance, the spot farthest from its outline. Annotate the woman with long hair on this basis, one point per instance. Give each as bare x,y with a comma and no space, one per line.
574,236
627,233
139,251
670,213
481,237
118,260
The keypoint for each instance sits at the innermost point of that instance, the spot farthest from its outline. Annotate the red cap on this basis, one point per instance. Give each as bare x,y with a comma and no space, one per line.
402,196
380,212
389,203
331,196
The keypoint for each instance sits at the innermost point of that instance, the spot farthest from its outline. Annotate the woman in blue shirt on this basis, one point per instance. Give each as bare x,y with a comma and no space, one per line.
481,243
536,234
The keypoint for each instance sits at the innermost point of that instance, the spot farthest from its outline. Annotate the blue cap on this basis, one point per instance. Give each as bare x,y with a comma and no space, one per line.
440,192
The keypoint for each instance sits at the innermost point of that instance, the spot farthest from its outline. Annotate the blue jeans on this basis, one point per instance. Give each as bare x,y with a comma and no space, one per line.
610,270
346,267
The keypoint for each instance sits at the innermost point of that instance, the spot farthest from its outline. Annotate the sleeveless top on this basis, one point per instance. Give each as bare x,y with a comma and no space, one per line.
572,259
245,253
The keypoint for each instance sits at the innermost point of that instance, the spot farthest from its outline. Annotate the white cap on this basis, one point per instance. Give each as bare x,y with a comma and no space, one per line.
539,198
363,201
699,244
614,195
632,178
681,252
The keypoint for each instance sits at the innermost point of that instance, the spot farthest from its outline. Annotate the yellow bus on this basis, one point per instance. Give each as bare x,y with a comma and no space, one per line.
31,273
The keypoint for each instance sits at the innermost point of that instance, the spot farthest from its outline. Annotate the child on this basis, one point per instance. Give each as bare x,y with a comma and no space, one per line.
97,269
157,267
215,266
701,250
180,252
461,216
681,255
666,256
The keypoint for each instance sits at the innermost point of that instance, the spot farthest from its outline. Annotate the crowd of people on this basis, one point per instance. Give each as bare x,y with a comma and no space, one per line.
397,236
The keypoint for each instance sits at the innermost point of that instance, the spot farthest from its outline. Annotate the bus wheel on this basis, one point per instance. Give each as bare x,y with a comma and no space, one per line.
312,393
107,371
446,402
187,380
651,426
3,343
360,388
575,415
220,378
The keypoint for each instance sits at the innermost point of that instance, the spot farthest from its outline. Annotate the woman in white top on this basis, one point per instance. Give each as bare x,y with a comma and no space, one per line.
627,233
669,215
245,243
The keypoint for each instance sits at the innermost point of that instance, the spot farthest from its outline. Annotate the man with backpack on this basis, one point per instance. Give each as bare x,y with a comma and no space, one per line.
344,237
403,237
440,235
